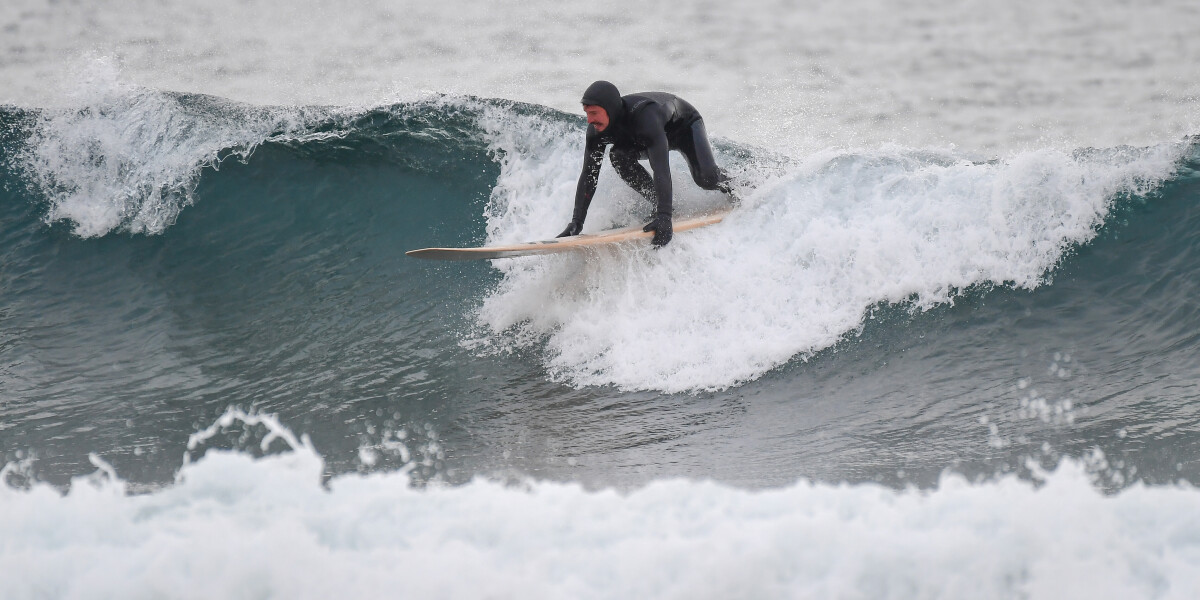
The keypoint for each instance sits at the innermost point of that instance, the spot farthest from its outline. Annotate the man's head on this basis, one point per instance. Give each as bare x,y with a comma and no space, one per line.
596,115
602,104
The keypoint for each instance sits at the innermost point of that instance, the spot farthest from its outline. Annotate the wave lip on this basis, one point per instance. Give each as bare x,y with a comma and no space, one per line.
127,158
121,157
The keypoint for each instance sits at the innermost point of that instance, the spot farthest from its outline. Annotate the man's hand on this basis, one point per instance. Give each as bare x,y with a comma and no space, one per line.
661,226
573,228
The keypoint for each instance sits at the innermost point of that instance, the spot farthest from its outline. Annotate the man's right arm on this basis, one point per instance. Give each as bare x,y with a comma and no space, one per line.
593,153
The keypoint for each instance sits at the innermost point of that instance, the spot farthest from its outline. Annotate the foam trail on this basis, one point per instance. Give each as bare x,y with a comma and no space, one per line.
798,268
233,526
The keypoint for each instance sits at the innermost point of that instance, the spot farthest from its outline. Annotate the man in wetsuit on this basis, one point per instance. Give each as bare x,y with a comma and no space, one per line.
644,125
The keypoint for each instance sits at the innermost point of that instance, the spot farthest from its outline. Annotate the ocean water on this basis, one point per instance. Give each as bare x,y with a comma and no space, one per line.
946,346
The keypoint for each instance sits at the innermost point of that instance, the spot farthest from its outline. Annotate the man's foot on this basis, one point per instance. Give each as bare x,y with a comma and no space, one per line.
735,199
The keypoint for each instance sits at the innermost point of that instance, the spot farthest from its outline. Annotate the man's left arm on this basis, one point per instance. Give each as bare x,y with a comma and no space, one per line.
652,128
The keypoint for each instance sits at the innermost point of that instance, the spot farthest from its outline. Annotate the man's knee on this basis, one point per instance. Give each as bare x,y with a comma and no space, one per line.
709,179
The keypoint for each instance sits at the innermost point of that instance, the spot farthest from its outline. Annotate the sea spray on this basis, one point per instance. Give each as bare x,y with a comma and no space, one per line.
798,266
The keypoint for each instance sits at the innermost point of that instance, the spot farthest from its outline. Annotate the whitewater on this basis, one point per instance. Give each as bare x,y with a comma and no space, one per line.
235,527
944,347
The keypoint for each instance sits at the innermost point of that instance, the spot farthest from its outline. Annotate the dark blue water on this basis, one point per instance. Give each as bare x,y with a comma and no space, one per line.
278,283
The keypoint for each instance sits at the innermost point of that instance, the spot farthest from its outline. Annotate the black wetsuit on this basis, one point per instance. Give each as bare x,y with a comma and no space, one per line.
644,125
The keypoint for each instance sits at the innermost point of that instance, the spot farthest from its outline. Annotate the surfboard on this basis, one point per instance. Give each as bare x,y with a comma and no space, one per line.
573,243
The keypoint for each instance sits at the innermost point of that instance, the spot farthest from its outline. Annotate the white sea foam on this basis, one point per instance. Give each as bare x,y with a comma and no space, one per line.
793,271
233,526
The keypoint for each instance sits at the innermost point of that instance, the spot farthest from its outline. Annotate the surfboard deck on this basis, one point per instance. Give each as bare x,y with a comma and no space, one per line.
573,243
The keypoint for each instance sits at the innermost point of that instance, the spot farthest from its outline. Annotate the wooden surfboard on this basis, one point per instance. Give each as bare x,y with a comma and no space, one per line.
566,244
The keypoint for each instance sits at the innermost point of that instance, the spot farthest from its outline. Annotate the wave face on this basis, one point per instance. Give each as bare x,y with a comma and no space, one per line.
903,310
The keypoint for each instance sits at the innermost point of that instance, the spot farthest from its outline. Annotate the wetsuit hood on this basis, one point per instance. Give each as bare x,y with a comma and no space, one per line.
606,96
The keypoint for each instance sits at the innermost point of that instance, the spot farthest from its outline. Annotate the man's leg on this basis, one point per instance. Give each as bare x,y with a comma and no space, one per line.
625,161
693,144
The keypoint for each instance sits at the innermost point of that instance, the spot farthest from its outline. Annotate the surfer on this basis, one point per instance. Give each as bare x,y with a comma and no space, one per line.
645,125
